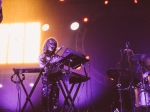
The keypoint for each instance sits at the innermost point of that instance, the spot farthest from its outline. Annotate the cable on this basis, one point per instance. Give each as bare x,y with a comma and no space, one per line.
89,72
23,78
79,96
91,94
19,95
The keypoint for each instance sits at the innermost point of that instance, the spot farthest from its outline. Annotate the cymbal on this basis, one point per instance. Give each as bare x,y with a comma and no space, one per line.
138,57
140,63
115,73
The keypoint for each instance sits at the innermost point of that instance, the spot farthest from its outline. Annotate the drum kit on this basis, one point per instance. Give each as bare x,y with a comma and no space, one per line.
142,88
136,75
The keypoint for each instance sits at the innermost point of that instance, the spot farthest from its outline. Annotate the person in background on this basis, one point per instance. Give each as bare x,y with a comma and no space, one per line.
50,89
1,14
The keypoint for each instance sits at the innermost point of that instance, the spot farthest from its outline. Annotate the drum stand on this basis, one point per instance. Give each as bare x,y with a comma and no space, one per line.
131,85
120,92
142,93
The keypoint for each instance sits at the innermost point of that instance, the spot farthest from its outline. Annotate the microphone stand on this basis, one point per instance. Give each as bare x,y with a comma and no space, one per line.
120,91
119,85
131,80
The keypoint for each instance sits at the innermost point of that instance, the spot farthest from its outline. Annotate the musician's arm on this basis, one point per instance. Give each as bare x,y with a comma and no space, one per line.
42,60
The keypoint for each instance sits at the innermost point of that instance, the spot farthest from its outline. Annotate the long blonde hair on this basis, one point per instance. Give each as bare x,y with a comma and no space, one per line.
47,43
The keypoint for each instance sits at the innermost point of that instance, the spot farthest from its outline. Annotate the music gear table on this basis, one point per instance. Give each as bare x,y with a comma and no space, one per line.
58,74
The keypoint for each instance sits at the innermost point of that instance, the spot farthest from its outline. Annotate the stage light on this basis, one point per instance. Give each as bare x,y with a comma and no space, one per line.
31,84
1,85
78,68
87,57
135,1
45,27
85,19
74,26
4,34
111,79
106,2
32,43
20,43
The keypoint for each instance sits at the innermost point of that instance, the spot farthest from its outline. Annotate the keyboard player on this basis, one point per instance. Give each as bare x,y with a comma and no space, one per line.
50,89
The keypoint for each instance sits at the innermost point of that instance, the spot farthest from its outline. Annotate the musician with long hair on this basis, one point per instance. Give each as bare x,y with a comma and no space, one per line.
50,89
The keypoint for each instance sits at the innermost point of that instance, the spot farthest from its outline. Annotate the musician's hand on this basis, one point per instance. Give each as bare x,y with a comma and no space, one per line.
46,69
55,59
42,60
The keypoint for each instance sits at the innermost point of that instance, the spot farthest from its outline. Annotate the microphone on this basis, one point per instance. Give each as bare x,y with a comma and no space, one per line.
59,48
127,48
127,45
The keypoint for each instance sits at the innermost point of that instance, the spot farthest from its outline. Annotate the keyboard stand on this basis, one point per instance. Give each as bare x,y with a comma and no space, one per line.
67,92
75,78
68,100
28,96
